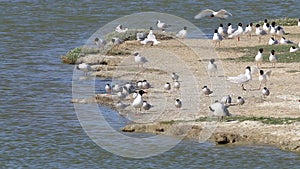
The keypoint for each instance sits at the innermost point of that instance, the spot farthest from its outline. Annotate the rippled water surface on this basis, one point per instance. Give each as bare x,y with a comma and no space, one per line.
39,127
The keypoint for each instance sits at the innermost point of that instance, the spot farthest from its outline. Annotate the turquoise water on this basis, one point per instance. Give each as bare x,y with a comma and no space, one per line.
39,128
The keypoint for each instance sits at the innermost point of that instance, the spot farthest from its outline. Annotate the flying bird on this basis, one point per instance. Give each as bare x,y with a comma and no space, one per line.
223,14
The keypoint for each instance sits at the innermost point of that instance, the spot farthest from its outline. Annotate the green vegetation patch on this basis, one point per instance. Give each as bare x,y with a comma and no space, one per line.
282,21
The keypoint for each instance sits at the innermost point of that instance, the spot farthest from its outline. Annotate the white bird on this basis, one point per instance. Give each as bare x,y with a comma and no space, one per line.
167,86
182,33
259,32
108,88
259,56
230,30
84,67
298,22
266,26
293,49
174,76
273,28
248,30
242,78
265,91
120,29
238,32
212,67
219,109
280,32
226,100
117,88
100,42
221,30
121,105
150,38
272,41
263,77
217,38
138,101
178,103
176,85
273,58
140,36
145,84
299,44
285,41
139,60
161,25
208,12
117,41
146,105
206,91
240,101
139,84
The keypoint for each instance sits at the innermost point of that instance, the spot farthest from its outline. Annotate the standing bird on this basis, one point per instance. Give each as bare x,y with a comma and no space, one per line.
107,88
161,25
293,49
248,30
140,60
206,91
208,12
174,76
178,103
240,101
237,33
279,32
150,38
176,85
230,30
85,68
146,106
259,56
99,42
212,67
272,41
263,77
219,110
217,38
120,29
117,41
285,41
167,86
221,30
182,33
298,22
265,91
242,78
138,101
145,84
259,32
273,28
273,58
266,26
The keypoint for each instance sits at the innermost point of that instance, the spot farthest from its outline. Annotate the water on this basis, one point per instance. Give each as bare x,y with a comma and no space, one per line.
39,127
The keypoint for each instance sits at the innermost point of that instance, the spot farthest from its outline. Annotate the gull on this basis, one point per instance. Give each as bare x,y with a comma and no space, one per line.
219,110
123,93
230,30
178,103
176,85
259,32
242,78
221,30
259,56
273,28
273,58
182,33
263,77
248,30
298,22
272,41
174,76
226,100
120,29
139,60
145,84
139,84
161,25
85,68
208,12
138,101
167,86
150,38
99,42
206,91
116,41
140,36
146,105
280,32
240,100
212,67
121,105
107,88
265,91
285,41
293,49
238,32
266,26
217,38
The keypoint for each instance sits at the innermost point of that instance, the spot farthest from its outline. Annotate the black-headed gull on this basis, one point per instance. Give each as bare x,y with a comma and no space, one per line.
263,77
272,41
259,32
150,38
273,58
176,85
206,91
84,67
178,103
293,49
230,30
161,25
120,29
285,41
139,60
212,67
238,32
121,105
138,101
265,91
99,42
273,28
217,38
219,109
167,86
211,13
221,30
174,76
248,30
266,26
259,57
242,78
107,88
182,33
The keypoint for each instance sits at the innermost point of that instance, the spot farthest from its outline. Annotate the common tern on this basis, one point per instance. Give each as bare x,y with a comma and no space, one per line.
298,22
211,13
219,109
259,56
265,91
145,84
221,30
249,29
266,26
139,60
206,91
240,100
230,30
178,103
117,41
84,67
242,78
273,58
140,36
182,33
174,76
212,67
167,86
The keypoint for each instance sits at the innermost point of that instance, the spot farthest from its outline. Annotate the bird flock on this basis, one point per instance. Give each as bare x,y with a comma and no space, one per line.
135,91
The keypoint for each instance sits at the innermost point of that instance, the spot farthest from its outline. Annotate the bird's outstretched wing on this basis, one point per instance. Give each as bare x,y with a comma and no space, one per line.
204,13
242,78
268,73
223,14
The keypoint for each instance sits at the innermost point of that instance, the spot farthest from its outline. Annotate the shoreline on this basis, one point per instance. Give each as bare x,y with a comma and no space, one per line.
282,102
